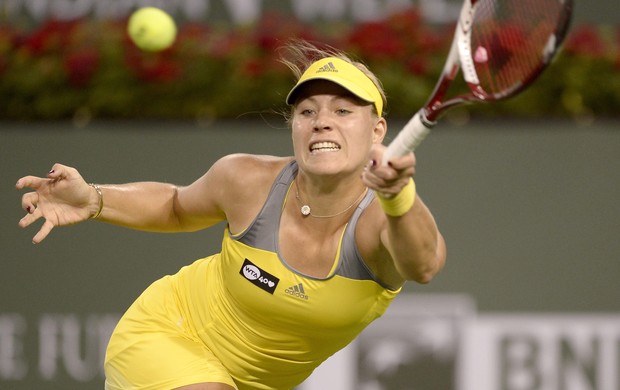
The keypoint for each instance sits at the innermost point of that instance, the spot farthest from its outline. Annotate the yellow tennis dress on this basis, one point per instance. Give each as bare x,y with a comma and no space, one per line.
244,317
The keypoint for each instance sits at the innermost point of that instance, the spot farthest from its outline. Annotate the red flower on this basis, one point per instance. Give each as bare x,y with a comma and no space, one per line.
585,40
193,31
376,40
399,38
274,29
157,67
81,66
223,46
418,66
54,35
253,68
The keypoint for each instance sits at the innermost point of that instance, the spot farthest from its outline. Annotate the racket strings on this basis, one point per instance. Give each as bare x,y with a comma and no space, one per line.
510,40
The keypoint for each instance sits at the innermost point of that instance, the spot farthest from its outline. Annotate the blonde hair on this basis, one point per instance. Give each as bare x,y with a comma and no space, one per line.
298,55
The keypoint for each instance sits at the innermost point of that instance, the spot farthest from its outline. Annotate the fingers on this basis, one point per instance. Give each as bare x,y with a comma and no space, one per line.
391,178
384,180
43,232
58,172
382,185
29,182
403,163
32,216
399,163
45,229
30,201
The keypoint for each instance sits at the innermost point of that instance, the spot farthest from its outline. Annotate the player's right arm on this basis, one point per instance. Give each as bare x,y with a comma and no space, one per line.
164,207
64,198
233,189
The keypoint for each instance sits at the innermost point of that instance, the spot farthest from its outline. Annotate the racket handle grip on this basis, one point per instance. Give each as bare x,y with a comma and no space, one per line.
408,138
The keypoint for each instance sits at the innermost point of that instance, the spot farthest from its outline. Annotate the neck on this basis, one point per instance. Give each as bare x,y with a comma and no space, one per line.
339,206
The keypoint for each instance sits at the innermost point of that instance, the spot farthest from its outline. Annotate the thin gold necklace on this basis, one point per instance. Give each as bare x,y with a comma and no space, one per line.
307,211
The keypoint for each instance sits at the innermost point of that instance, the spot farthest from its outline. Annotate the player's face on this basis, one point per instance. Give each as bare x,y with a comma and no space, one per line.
333,130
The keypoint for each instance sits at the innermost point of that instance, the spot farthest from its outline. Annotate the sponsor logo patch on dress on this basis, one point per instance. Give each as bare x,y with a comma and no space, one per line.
258,277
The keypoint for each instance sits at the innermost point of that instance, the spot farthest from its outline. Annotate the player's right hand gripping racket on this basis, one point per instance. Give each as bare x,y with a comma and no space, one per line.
501,47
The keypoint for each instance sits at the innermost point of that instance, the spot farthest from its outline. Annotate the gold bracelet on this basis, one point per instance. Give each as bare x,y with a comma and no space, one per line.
400,203
98,189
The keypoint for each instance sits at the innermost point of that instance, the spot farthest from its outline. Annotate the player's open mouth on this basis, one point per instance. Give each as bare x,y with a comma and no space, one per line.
324,147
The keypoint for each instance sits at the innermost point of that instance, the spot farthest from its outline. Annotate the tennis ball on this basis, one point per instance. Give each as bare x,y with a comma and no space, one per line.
151,29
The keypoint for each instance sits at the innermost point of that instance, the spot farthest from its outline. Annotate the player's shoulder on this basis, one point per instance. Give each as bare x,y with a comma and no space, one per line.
253,160
251,168
243,163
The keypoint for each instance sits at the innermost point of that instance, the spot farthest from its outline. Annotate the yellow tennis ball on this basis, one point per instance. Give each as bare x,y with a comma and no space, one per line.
151,29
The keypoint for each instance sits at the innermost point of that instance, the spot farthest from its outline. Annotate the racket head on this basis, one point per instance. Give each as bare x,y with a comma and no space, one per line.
508,44
501,47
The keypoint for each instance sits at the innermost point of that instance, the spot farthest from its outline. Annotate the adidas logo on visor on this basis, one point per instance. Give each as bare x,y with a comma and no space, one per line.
329,67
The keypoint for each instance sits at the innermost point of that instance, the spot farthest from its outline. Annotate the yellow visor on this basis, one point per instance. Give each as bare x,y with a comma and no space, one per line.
344,74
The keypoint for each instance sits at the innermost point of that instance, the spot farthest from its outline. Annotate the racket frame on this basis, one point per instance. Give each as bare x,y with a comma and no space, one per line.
460,59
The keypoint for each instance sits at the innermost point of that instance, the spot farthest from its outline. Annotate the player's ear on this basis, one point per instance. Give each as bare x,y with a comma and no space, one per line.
379,131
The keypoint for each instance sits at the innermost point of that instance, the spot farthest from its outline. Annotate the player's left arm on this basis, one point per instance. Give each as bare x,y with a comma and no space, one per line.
416,246
410,242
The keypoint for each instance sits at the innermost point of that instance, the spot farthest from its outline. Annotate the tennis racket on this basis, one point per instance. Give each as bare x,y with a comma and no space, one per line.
501,47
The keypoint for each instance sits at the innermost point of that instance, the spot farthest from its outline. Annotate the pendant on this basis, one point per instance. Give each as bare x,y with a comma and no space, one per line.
305,210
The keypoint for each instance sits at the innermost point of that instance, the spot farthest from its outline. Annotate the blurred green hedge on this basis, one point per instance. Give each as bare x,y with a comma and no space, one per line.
85,69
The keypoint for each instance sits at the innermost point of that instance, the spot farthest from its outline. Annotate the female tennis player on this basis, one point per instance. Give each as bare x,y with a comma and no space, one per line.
316,245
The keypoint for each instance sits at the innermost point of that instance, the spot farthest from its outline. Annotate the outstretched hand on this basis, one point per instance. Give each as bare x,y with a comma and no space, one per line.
62,198
388,180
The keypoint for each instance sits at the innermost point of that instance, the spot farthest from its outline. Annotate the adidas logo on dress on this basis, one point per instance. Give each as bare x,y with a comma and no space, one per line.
297,291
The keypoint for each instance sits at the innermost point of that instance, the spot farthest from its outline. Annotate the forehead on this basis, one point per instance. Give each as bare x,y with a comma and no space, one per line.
325,87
